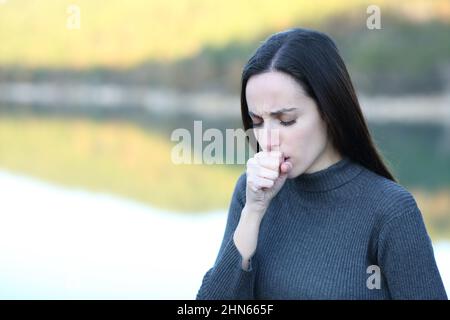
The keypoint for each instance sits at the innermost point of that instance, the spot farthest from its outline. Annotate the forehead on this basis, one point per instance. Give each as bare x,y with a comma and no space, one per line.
268,91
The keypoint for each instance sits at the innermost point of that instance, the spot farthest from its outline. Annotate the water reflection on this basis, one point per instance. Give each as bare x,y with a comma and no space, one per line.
58,243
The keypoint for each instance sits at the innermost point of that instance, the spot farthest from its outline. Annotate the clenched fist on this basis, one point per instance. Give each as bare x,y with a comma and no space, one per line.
266,174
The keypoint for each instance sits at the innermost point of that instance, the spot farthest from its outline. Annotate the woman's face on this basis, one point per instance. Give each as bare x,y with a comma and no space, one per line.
286,119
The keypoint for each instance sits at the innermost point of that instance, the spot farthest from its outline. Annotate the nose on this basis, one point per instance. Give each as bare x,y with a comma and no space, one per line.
269,139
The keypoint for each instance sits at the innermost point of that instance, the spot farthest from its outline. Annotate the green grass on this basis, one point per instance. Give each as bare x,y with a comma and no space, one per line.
114,157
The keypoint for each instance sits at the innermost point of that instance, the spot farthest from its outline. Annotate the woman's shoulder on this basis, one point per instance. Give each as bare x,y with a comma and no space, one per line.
390,197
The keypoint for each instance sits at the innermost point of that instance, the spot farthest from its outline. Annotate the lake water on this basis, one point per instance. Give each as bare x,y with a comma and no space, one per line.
59,243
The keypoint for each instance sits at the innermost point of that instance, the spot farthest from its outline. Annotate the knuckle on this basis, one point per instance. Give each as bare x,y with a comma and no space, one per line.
275,174
270,174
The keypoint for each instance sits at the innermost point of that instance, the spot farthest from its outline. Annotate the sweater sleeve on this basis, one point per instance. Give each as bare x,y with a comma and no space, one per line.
406,257
226,280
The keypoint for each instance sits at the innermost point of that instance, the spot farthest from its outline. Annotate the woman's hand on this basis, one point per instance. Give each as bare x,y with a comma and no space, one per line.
266,174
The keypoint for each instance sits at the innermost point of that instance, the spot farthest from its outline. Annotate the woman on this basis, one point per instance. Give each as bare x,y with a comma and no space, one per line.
317,214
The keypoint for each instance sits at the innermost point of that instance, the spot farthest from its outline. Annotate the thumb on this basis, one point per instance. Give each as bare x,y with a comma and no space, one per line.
285,167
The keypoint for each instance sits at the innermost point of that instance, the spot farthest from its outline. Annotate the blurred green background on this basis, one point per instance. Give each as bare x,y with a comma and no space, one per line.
94,106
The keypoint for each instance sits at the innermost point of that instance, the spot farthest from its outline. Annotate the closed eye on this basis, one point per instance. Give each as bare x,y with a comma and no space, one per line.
287,123
283,123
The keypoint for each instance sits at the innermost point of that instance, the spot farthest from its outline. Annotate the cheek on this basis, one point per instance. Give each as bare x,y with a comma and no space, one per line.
318,133
307,137
294,139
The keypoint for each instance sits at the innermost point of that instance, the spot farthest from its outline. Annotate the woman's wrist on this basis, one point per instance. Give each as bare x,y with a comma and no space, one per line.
254,212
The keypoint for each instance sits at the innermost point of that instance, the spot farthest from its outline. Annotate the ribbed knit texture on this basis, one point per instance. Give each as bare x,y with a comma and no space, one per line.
320,235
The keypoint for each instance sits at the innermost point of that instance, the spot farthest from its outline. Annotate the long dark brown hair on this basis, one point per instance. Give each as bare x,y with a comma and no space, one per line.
313,60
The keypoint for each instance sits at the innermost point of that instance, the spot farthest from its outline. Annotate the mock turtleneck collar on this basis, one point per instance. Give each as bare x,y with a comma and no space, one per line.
329,178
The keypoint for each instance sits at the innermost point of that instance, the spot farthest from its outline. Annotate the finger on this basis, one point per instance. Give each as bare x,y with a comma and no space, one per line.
263,183
267,173
269,162
256,183
251,162
264,154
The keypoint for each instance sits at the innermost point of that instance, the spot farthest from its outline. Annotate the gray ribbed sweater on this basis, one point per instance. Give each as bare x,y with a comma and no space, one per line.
324,236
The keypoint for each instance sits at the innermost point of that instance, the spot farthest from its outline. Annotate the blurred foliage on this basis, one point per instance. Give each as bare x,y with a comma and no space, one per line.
202,45
122,34
415,153
401,57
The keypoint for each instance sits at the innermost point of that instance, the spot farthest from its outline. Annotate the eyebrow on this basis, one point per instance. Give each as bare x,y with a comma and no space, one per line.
275,113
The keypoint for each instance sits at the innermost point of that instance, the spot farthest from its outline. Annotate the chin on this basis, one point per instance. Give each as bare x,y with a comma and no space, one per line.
291,174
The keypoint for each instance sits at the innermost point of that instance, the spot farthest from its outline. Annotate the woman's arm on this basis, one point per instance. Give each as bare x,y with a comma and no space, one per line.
246,234
227,279
406,257
233,275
